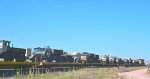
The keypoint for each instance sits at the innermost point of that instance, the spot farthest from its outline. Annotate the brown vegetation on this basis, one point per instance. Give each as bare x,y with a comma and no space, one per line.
87,73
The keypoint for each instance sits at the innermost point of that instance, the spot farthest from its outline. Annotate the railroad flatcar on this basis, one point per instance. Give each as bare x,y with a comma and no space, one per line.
46,54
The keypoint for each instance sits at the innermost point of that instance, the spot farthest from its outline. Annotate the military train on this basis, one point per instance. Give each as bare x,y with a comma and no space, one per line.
47,54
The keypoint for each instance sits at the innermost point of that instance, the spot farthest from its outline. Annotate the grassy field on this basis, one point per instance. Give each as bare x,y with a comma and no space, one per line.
87,73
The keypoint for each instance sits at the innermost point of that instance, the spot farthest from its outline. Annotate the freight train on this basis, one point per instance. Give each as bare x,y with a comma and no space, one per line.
47,54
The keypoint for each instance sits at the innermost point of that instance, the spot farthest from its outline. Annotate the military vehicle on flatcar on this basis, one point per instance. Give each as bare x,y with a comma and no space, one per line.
47,54
9,54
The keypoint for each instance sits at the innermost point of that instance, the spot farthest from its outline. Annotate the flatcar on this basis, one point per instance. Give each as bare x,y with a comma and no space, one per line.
46,54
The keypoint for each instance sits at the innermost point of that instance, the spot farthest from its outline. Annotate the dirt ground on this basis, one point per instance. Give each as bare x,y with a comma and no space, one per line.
137,74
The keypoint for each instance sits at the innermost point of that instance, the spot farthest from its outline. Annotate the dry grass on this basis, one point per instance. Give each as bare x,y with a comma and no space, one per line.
127,69
87,73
